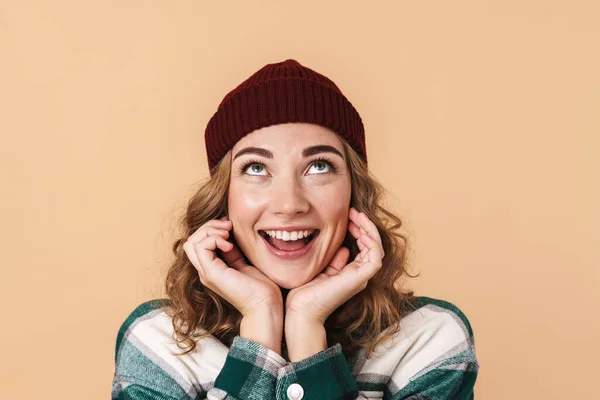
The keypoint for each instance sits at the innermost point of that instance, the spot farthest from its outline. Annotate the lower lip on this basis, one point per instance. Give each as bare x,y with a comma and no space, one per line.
290,255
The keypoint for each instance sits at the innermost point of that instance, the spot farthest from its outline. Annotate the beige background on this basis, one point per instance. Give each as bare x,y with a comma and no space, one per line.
482,120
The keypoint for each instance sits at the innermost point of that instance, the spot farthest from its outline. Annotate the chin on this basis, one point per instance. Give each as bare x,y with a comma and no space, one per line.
290,282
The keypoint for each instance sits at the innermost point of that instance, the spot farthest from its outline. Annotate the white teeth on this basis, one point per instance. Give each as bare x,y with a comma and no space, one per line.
287,235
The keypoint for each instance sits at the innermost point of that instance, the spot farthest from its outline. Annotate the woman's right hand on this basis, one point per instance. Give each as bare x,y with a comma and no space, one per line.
253,294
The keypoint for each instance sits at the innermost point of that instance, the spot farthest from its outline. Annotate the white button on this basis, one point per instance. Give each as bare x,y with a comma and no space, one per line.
295,392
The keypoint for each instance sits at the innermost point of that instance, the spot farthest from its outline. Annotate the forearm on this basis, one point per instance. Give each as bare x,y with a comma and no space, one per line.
264,327
304,337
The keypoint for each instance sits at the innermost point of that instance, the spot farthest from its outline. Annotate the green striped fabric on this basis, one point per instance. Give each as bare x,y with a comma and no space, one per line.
432,357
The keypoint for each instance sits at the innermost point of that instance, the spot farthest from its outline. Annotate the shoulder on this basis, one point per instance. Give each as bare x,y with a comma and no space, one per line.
148,355
153,310
433,335
428,312
436,329
433,352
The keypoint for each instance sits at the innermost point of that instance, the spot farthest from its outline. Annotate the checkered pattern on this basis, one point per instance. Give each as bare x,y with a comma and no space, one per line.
432,358
257,363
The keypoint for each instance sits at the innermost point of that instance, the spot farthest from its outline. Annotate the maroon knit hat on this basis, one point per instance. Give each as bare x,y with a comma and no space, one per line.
277,94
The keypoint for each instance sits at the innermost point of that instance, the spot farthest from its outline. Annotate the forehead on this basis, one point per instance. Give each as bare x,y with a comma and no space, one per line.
289,136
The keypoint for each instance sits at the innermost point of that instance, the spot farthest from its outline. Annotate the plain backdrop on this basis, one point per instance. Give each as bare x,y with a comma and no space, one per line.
482,121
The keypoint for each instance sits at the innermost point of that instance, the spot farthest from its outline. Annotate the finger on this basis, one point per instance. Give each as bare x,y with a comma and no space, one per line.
188,247
198,237
354,229
211,268
206,231
234,257
220,223
340,259
359,257
365,226
216,223
363,222
330,271
372,257
205,251
353,216
360,244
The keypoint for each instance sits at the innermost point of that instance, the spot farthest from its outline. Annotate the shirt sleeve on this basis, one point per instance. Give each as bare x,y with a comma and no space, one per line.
125,391
139,378
140,374
323,376
453,379
445,350
250,372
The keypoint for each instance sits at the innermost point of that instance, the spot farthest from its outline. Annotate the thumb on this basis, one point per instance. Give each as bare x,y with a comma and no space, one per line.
340,259
234,257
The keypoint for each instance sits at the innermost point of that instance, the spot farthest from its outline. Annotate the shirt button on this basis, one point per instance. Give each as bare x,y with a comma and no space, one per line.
295,392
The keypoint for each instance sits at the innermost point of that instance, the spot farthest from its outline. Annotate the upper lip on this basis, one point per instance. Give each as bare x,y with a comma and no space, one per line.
289,228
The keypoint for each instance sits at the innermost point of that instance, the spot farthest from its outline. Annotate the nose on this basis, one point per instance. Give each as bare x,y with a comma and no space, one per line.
288,197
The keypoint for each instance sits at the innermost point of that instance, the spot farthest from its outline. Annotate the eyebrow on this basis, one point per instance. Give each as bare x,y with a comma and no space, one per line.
254,150
307,152
311,151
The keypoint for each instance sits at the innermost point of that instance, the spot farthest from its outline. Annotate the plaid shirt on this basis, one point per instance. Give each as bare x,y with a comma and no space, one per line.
432,357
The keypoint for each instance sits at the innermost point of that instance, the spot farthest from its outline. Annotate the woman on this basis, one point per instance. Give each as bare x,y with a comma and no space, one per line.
286,277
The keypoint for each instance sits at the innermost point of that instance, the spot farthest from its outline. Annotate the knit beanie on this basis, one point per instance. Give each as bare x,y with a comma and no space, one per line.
277,94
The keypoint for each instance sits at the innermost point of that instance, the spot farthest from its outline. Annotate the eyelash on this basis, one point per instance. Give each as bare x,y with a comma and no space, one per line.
244,167
330,164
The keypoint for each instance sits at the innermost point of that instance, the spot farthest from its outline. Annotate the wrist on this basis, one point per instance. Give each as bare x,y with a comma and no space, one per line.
304,337
264,327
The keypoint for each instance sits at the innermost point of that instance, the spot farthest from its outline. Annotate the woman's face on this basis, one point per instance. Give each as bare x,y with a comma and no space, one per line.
289,181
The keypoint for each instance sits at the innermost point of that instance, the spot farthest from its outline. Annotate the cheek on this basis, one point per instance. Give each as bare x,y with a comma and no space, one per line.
333,206
244,207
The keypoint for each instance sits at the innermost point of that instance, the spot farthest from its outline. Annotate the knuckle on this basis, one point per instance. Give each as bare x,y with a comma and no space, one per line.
188,247
200,230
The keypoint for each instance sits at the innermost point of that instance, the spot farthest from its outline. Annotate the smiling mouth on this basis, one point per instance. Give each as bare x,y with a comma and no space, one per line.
288,245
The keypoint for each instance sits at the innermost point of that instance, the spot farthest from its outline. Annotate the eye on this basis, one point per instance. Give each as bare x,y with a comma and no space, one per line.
321,167
254,168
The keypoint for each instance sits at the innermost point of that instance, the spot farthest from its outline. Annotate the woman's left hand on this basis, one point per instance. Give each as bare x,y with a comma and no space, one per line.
308,306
